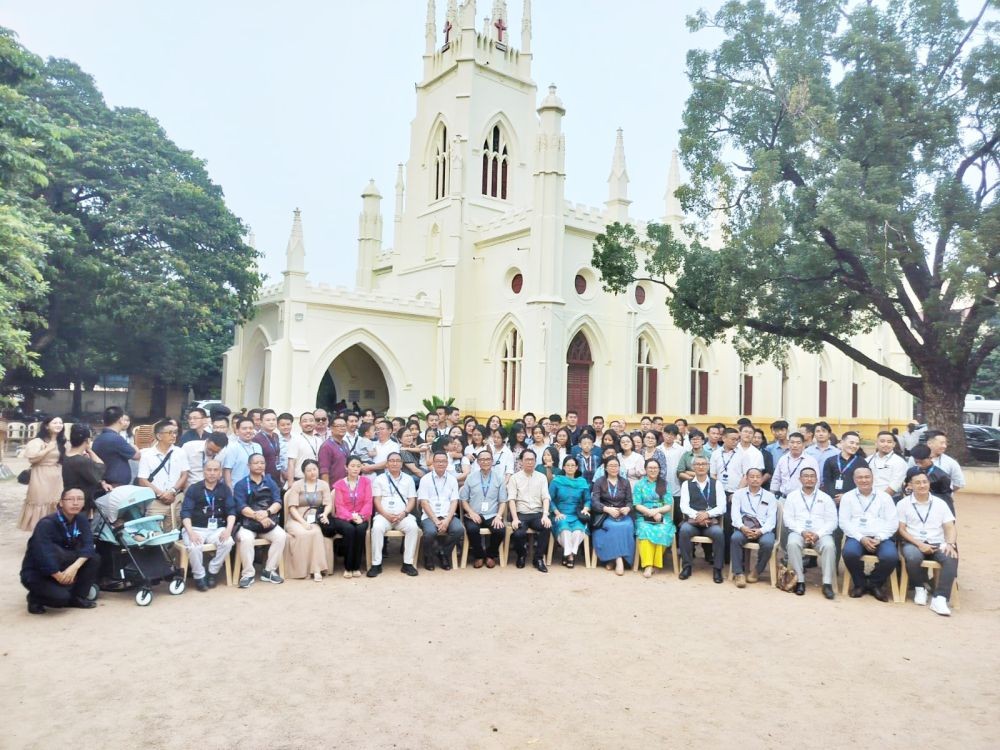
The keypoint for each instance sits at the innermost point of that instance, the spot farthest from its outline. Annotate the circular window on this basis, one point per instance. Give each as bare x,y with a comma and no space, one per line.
640,295
516,282
581,284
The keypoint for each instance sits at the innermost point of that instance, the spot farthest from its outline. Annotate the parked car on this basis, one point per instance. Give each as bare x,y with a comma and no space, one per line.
983,441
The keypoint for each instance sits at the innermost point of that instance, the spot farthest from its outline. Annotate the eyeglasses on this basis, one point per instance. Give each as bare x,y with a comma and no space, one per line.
322,419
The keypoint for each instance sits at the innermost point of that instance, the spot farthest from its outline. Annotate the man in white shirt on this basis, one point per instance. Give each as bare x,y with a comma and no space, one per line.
438,497
503,459
754,516
393,498
357,444
937,441
703,503
384,447
909,439
672,452
888,467
200,452
163,468
810,517
822,449
927,528
235,466
869,521
528,500
788,469
322,425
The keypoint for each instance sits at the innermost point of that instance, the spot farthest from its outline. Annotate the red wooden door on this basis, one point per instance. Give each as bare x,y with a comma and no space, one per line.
822,398
578,363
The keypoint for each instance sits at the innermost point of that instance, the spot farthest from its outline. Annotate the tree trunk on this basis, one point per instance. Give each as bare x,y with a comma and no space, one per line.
77,398
158,400
943,407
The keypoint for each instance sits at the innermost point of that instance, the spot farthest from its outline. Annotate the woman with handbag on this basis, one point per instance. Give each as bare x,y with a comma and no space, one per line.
45,483
611,504
351,514
570,504
305,502
654,526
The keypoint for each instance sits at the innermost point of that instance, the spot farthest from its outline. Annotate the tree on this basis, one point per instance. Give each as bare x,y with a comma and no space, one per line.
155,272
854,150
987,382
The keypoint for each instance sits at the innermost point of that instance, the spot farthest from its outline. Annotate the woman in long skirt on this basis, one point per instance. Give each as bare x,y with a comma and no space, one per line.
305,552
614,537
45,483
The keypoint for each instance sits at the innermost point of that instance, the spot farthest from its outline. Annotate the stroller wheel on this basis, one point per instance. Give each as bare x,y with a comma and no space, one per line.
176,586
92,594
143,597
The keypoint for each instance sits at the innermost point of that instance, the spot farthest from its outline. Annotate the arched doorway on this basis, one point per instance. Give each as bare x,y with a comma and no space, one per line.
354,376
578,363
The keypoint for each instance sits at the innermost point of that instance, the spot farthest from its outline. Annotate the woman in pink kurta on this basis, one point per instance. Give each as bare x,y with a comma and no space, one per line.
352,512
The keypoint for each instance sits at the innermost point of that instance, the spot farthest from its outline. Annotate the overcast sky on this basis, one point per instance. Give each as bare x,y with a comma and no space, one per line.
300,103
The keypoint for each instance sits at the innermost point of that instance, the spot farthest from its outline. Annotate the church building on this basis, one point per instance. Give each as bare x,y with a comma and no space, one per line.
489,296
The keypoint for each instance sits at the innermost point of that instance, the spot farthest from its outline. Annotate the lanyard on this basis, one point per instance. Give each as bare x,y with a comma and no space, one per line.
354,445
485,485
842,467
340,447
312,446
249,451
588,463
613,490
307,492
754,507
870,502
434,482
725,466
210,499
273,443
70,534
923,518
809,507
353,494
392,484
794,471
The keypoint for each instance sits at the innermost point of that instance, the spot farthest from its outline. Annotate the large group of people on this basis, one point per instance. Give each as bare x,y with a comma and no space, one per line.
439,481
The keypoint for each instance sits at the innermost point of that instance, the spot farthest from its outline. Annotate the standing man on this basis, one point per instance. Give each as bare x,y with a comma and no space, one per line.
384,447
810,518
909,439
598,424
529,509
220,425
573,423
838,471
393,499
715,435
433,422
200,452
822,448
270,444
672,452
937,441
114,450
484,499
334,453
322,422
788,470
234,463
197,423
438,497
208,515
888,467
163,468
869,520
682,433
754,517
779,446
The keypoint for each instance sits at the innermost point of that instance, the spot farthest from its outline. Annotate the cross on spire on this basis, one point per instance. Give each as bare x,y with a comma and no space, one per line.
447,31
501,28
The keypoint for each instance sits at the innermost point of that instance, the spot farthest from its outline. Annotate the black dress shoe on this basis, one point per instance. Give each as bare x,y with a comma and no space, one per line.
540,566
828,591
685,573
521,559
80,603
717,575
210,580
800,588
810,562
35,607
408,569
879,593
428,563
856,592
374,571
201,584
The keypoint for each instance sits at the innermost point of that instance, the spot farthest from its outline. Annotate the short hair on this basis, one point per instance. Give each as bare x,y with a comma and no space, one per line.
730,431
255,412
807,427
695,433
849,433
597,417
354,457
916,471
198,410
339,418
718,426
528,414
265,412
755,468
220,418
285,415
779,424
824,424
240,421
681,419
555,417
161,426
217,438
885,432
744,422
112,414
219,410
574,412
79,433
920,452
526,451
645,418
798,435
931,434
311,414
671,429
807,468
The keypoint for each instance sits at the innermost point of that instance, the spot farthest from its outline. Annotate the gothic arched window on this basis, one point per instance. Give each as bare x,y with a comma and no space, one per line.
645,379
510,370
441,162
495,164
699,380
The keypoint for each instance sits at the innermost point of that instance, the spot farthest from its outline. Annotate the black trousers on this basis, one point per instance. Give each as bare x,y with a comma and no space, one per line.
476,541
354,541
727,524
52,594
519,540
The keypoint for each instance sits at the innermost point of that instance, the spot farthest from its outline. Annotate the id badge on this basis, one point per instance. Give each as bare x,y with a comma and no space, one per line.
725,477
923,535
484,507
863,521
839,484
809,524
213,524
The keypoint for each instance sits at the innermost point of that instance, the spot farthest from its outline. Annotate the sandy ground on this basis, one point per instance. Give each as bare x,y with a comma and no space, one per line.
502,659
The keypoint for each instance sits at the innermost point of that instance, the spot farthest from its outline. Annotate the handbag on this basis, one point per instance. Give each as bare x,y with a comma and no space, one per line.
598,521
786,578
24,477
261,499
750,521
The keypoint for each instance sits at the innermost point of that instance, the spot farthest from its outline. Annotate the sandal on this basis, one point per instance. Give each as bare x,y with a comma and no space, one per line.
571,562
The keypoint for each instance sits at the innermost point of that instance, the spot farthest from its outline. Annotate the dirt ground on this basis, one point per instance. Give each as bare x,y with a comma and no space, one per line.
503,659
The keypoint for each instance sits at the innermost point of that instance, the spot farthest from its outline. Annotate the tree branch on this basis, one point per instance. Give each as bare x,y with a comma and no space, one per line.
958,49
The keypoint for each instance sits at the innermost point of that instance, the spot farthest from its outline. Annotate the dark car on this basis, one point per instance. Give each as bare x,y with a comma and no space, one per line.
983,441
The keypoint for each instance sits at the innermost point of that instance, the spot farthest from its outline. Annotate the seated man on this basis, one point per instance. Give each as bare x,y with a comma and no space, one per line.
438,496
703,503
754,516
258,503
869,521
208,515
810,518
484,499
529,509
393,499
60,563
927,527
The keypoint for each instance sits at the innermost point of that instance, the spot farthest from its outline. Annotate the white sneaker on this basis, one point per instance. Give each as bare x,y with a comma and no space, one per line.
939,605
919,596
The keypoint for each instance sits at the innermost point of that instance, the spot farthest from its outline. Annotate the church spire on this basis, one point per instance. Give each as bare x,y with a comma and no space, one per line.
674,214
467,14
295,252
430,29
498,27
526,28
369,234
400,190
618,202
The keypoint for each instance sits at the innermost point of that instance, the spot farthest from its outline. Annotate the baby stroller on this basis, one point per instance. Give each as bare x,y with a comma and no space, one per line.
133,546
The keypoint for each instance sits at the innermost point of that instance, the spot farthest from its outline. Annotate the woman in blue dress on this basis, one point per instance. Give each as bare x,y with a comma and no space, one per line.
611,503
570,504
654,526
